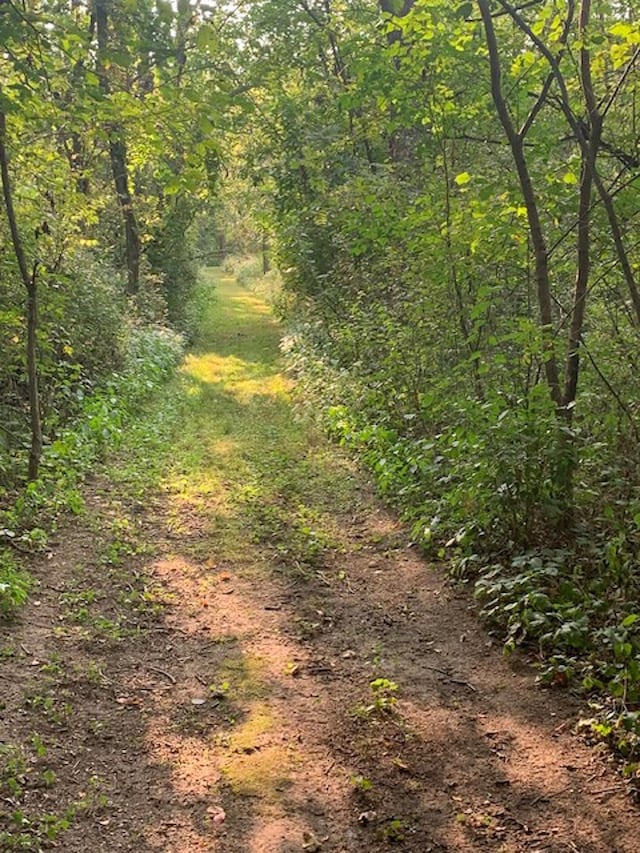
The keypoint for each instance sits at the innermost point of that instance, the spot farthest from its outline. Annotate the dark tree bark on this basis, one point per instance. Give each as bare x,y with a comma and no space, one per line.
589,156
29,280
538,242
118,157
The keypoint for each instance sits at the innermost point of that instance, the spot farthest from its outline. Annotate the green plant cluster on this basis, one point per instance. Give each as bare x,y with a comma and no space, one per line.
24,769
480,492
103,176
14,584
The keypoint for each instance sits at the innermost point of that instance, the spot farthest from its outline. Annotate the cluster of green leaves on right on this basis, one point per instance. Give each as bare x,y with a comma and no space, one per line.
405,246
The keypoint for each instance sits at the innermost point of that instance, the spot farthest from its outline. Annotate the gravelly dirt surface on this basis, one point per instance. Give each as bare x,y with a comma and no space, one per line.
247,696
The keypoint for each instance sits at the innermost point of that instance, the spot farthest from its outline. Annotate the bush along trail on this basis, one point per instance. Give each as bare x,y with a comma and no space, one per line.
234,648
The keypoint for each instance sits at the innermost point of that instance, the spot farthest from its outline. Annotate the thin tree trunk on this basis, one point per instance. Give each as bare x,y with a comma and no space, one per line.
340,72
580,289
29,281
605,195
538,242
118,156
399,141
454,279
590,153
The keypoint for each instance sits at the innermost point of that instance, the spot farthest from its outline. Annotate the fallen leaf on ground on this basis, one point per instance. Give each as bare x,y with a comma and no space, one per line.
367,817
217,814
311,843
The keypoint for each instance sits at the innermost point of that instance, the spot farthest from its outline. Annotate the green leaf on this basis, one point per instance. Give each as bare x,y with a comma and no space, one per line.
462,179
570,178
206,37
628,32
630,620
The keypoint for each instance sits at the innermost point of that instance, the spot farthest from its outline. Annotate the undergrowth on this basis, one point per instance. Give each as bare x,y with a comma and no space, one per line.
14,585
477,483
105,419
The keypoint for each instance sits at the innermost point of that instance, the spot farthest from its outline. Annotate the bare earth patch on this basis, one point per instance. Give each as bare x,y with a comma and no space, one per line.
239,718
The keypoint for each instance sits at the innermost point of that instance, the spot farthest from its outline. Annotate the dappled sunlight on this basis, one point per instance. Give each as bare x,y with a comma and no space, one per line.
248,302
249,735
248,674
192,761
287,603
265,773
246,743
279,835
242,379
226,446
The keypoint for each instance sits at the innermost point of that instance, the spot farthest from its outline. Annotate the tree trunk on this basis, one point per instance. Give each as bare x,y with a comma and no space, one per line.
581,139
540,253
29,281
400,141
118,156
589,155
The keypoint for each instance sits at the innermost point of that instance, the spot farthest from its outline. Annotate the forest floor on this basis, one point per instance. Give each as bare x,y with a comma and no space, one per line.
194,671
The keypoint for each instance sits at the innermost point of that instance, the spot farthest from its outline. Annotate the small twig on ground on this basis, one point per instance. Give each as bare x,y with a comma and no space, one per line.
544,798
162,672
452,678
166,629
7,540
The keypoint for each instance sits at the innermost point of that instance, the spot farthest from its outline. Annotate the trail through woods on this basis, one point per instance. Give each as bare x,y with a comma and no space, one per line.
194,674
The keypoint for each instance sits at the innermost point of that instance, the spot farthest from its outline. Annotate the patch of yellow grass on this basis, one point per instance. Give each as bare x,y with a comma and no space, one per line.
248,735
241,379
262,774
246,676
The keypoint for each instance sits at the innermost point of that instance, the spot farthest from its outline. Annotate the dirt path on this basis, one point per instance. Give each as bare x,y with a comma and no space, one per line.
195,671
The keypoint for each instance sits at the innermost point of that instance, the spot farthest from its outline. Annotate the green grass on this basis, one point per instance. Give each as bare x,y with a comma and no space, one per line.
241,457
